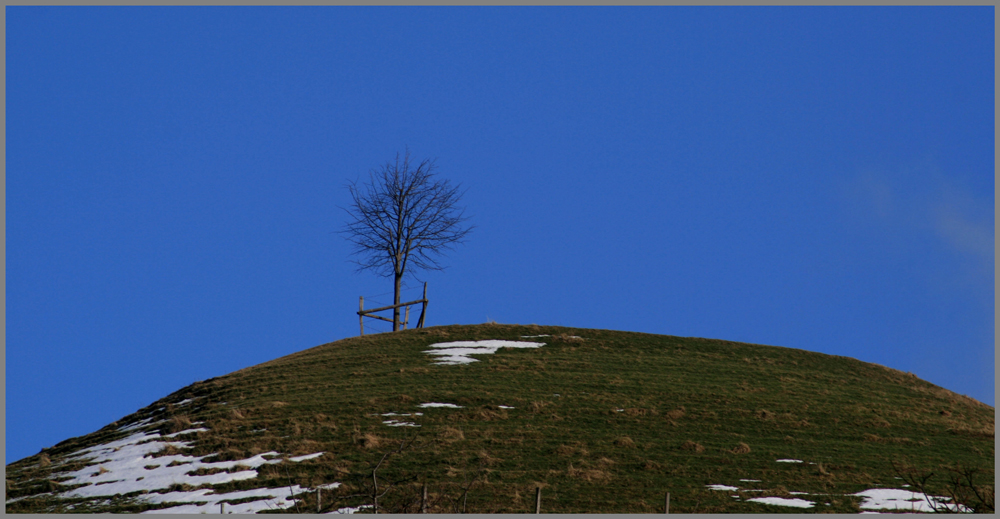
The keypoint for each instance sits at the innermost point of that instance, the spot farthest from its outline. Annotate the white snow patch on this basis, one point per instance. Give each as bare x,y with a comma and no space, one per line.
439,404
396,423
751,480
505,407
788,461
205,501
350,510
329,486
188,431
452,353
304,457
119,467
782,501
136,425
533,336
722,487
402,414
896,499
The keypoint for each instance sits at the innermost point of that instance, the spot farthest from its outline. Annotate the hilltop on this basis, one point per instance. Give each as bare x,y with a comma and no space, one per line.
601,421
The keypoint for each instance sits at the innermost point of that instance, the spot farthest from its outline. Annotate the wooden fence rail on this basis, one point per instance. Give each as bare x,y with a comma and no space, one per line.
362,313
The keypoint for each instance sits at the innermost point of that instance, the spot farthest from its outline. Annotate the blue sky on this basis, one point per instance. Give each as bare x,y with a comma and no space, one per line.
816,178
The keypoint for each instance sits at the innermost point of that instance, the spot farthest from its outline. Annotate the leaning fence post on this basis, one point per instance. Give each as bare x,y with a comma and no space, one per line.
423,308
666,504
319,499
538,500
423,500
361,314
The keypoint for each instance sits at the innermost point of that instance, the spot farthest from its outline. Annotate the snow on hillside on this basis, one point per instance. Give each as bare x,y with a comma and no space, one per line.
128,465
451,353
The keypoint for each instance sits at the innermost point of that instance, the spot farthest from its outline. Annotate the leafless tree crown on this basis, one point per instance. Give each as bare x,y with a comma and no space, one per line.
404,218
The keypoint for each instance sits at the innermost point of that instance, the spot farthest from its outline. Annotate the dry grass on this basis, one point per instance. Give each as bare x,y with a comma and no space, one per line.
369,441
588,474
692,446
741,448
879,439
676,414
178,424
624,441
451,435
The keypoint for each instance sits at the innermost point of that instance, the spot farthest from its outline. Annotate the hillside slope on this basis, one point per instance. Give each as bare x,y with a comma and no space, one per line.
602,421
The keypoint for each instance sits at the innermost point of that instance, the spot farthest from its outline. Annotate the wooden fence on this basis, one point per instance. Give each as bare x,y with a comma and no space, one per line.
362,313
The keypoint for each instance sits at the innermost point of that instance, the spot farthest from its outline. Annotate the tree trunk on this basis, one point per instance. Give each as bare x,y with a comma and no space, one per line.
395,301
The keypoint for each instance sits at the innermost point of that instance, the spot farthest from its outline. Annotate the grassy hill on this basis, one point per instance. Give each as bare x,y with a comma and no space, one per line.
602,421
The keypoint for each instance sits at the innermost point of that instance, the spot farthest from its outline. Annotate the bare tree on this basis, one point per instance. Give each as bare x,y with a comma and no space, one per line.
402,219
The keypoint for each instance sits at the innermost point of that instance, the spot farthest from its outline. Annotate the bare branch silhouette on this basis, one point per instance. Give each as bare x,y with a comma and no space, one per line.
403,219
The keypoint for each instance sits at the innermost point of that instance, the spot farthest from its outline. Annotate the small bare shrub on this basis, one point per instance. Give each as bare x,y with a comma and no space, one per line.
764,414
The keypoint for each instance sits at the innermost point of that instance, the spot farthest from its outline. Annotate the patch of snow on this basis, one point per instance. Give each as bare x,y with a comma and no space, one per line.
453,353
188,431
395,423
722,487
304,457
799,493
619,410
136,425
350,510
751,480
205,501
439,404
505,407
533,336
905,500
402,414
788,461
16,499
186,401
119,467
782,501
329,486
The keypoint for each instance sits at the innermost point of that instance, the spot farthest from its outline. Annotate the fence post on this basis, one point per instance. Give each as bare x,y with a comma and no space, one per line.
423,308
319,499
222,508
423,500
538,500
666,504
361,315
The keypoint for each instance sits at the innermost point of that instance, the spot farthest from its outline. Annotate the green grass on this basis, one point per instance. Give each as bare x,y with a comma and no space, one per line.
851,418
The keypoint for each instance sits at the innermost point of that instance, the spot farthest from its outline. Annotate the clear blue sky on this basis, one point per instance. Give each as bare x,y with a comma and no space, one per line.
816,178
